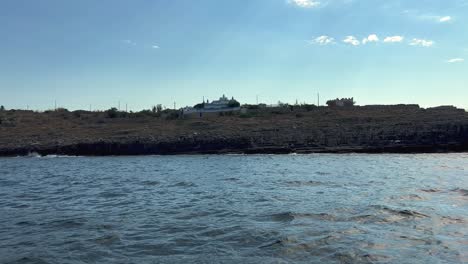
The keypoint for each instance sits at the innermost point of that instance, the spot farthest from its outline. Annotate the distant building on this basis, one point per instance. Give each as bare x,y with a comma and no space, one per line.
222,105
343,102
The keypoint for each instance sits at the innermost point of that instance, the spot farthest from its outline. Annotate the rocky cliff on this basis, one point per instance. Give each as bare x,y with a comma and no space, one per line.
369,129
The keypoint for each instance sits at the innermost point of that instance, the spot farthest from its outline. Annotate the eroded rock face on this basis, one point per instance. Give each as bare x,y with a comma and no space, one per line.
372,129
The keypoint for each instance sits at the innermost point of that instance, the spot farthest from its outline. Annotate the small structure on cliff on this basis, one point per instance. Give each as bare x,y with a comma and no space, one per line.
222,105
343,102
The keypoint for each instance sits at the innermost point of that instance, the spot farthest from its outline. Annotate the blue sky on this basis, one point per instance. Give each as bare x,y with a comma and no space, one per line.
145,52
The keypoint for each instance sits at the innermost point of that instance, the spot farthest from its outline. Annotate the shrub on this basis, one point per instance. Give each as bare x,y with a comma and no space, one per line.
246,115
2,108
251,107
62,110
309,108
172,115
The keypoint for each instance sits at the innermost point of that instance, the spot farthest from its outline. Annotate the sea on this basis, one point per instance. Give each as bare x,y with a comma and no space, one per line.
318,208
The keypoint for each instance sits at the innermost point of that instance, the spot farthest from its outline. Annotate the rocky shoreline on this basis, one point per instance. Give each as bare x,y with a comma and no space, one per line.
132,149
376,129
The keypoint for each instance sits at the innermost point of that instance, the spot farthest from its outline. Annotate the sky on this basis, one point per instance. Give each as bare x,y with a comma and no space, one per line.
91,53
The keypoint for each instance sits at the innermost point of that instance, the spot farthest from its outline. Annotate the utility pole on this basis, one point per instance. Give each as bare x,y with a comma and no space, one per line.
126,108
90,108
55,105
119,105
257,99
174,105
318,99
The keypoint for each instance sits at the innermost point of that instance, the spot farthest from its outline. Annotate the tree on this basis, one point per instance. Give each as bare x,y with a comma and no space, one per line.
331,103
233,103
199,106
112,113
2,108
349,102
343,102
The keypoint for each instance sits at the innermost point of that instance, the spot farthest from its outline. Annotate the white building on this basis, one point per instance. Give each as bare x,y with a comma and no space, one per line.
221,105
223,102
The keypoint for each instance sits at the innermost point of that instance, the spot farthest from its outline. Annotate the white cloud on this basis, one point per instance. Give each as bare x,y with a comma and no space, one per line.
304,3
370,38
155,47
352,41
323,40
393,39
422,42
455,60
445,19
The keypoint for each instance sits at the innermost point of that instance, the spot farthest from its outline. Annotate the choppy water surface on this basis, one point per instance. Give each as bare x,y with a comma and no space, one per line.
235,209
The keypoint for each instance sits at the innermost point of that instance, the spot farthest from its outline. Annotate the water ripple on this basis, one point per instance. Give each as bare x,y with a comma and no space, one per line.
235,209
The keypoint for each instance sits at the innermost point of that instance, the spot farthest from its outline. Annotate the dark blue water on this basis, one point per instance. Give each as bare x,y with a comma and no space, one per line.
235,209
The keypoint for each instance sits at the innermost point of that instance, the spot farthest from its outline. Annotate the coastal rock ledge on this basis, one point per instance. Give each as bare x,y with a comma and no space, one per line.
368,129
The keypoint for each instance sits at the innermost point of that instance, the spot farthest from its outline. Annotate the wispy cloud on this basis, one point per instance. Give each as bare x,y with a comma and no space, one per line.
370,38
304,3
455,60
428,17
393,39
352,41
422,42
129,42
155,47
323,40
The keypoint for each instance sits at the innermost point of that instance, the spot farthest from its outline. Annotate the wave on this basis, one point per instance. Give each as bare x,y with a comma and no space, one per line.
461,191
304,183
51,156
403,212
290,216
60,156
184,184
